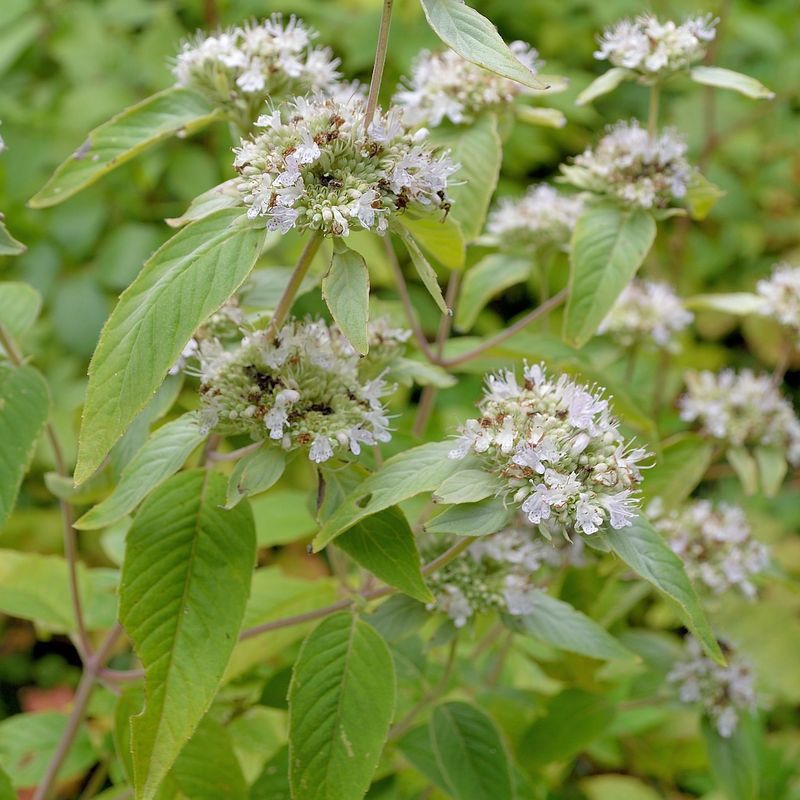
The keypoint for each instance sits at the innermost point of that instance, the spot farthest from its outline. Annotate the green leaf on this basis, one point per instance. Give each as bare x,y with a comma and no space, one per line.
425,271
739,303
559,624
24,406
734,759
477,148
604,84
385,545
470,753
772,468
474,38
6,788
490,277
472,519
182,284
728,79
609,245
468,486
745,467
574,718
173,112
9,246
341,701
617,787
440,237
28,743
345,288
185,583
408,371
417,748
679,469
701,196
421,469
255,473
223,195
20,304
163,454
545,117
648,555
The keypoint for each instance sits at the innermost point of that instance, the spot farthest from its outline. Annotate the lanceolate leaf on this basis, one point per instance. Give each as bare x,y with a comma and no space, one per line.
224,195
425,271
162,455
345,288
24,405
9,246
606,83
184,282
646,553
472,519
421,469
475,38
19,307
735,759
185,583
440,237
255,473
173,112
341,701
469,753
728,79
608,246
478,150
678,470
385,545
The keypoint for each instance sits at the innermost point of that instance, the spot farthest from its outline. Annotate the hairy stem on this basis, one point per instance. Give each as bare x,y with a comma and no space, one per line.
296,279
70,540
380,62
652,113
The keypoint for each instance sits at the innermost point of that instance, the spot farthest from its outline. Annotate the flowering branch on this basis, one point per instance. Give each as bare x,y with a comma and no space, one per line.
380,62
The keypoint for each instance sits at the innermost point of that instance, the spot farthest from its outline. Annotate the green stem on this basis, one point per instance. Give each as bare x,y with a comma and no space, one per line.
652,114
380,62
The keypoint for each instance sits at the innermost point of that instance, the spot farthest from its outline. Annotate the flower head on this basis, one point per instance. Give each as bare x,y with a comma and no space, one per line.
655,49
634,168
307,388
542,216
646,310
723,692
781,295
315,167
558,449
741,409
446,86
715,544
245,65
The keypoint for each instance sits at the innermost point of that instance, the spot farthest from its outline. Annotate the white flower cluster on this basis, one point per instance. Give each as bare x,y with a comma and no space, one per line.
646,310
781,295
716,545
246,65
632,167
559,450
446,86
741,409
723,692
315,167
656,49
542,216
307,388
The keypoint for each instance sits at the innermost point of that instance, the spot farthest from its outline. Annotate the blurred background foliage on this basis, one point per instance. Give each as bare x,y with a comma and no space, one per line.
67,65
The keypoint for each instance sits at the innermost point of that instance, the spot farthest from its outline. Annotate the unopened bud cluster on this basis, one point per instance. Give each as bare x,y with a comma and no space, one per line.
656,49
741,409
315,167
723,692
633,167
543,216
244,66
646,310
446,86
716,545
306,388
781,296
558,449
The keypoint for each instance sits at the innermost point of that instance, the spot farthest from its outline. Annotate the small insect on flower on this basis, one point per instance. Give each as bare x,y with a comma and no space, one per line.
647,310
315,167
559,451
634,168
724,693
715,543
655,49
542,216
741,409
781,296
307,388
446,86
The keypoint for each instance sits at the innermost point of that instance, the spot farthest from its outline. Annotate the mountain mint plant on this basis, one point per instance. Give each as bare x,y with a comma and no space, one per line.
296,562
